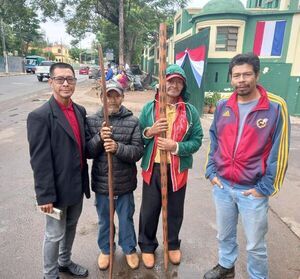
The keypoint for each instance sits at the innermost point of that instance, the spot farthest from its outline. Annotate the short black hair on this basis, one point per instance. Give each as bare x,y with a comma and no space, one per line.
61,65
245,58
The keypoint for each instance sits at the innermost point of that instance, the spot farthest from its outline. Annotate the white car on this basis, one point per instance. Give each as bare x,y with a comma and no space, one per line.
43,70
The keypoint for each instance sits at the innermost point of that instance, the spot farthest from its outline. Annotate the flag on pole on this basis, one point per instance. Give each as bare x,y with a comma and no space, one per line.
197,58
268,40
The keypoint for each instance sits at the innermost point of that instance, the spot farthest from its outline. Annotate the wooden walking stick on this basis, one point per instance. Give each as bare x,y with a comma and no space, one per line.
110,167
163,153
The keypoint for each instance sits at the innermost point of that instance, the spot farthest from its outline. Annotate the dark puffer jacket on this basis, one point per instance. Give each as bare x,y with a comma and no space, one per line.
126,132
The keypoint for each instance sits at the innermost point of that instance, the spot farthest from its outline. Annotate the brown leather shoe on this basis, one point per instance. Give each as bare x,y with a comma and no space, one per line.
148,260
133,260
175,256
103,261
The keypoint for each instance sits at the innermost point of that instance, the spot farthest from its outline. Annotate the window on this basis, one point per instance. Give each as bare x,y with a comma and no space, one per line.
47,63
151,51
59,50
178,25
272,3
227,38
258,3
216,77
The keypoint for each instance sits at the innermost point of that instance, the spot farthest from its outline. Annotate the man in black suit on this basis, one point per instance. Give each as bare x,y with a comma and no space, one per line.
57,149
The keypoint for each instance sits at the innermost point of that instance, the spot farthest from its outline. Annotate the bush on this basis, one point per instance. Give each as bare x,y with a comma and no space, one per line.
215,98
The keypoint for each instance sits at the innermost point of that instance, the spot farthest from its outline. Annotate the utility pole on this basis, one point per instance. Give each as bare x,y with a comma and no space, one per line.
4,47
62,53
121,34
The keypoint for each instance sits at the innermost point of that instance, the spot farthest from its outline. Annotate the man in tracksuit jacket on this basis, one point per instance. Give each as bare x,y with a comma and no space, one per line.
246,164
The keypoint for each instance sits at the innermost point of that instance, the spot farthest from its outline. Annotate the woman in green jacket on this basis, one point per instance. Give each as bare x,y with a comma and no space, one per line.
184,137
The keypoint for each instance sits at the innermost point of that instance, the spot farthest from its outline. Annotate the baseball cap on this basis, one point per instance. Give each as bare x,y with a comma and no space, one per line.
174,76
114,86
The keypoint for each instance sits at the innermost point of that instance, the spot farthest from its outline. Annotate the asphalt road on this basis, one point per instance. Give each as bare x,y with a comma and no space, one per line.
22,85
21,226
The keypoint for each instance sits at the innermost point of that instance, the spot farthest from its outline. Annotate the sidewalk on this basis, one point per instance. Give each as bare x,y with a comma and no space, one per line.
3,74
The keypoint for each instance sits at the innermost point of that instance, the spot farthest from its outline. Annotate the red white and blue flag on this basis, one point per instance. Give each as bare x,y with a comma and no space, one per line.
268,40
197,59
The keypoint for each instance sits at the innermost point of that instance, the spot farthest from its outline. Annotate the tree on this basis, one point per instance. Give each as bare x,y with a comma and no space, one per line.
21,26
141,19
121,33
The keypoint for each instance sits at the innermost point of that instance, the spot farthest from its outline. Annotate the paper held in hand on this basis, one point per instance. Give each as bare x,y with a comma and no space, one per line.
56,214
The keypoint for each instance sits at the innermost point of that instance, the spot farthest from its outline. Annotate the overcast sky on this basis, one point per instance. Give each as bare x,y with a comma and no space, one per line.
55,31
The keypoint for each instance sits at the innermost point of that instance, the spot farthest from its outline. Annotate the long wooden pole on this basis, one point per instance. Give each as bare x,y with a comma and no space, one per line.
163,153
110,167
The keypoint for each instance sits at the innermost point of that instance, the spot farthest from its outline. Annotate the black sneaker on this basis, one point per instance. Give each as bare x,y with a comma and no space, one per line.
219,272
74,269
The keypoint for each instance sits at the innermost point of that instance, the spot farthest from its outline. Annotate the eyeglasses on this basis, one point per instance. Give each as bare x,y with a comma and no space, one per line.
61,80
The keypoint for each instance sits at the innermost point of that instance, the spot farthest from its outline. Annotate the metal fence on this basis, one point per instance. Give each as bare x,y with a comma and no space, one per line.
15,64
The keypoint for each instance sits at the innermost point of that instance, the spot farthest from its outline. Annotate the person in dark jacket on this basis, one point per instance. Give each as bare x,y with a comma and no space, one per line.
56,139
123,139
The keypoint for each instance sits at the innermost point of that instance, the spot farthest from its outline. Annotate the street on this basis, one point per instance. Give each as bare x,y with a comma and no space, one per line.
21,85
22,227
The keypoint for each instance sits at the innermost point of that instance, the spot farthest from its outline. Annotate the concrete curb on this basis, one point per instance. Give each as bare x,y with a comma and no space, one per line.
12,74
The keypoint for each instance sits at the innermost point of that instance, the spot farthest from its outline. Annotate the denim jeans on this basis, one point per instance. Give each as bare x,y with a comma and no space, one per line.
58,240
230,202
124,206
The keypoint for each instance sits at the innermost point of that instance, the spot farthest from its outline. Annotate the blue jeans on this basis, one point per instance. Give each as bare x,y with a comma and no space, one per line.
58,240
230,202
124,206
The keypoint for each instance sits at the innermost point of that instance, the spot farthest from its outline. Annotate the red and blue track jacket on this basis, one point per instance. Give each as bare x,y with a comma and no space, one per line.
261,157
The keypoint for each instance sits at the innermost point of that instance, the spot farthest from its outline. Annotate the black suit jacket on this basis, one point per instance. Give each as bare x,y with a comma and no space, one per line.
55,157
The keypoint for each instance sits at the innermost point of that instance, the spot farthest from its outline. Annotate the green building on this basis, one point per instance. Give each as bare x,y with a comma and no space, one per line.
270,28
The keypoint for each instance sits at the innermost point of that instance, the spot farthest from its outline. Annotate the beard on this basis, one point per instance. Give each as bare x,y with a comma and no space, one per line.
243,91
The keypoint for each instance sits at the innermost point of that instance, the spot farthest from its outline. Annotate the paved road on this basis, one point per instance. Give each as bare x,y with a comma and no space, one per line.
21,227
21,85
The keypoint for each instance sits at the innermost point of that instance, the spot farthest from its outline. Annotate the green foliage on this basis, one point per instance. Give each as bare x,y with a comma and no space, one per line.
212,98
101,17
49,55
21,26
215,97
208,100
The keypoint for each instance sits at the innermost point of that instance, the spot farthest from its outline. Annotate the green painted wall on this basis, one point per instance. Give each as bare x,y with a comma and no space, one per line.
293,99
150,66
217,78
185,21
217,75
294,5
275,77
220,17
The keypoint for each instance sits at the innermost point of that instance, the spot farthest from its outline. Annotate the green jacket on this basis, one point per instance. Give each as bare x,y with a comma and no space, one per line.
190,143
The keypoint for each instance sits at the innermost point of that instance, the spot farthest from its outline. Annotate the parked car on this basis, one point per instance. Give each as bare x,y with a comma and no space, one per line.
84,70
43,70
